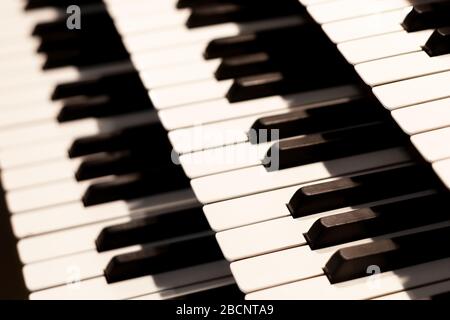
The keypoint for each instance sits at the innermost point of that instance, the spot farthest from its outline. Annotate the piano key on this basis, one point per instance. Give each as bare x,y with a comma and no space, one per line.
439,43
360,189
423,117
345,9
365,26
74,214
98,288
399,252
411,92
427,16
158,258
50,129
290,264
432,145
442,169
219,110
400,68
326,146
180,36
383,46
151,229
257,179
421,293
214,290
384,284
370,222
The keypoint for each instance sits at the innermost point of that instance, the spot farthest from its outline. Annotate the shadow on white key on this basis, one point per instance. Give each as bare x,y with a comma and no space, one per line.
421,293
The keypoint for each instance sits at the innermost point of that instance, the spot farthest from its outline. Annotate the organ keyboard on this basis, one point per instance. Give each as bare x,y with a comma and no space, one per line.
218,149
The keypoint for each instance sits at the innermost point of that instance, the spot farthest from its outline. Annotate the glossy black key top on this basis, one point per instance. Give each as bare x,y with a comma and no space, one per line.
316,119
378,220
152,229
427,16
130,138
332,145
163,258
439,42
360,189
245,65
388,254
135,186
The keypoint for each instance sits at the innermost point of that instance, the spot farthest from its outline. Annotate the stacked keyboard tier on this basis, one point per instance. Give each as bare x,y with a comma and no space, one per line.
141,144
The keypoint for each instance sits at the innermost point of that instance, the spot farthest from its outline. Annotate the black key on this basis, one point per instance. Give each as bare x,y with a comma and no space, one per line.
152,229
232,12
226,293
439,42
360,189
428,16
378,220
390,254
135,186
332,145
244,65
130,138
125,162
319,119
163,258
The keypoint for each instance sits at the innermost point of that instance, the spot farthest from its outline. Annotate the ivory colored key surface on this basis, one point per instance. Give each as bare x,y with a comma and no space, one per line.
423,117
433,145
414,91
383,46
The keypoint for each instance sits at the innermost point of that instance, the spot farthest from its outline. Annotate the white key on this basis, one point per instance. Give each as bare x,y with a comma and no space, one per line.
180,292
420,293
51,129
219,110
442,168
402,67
227,158
75,214
384,46
16,116
257,179
169,76
345,9
181,35
47,195
70,269
62,243
183,94
414,91
423,117
366,26
36,175
359,289
433,145
97,288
